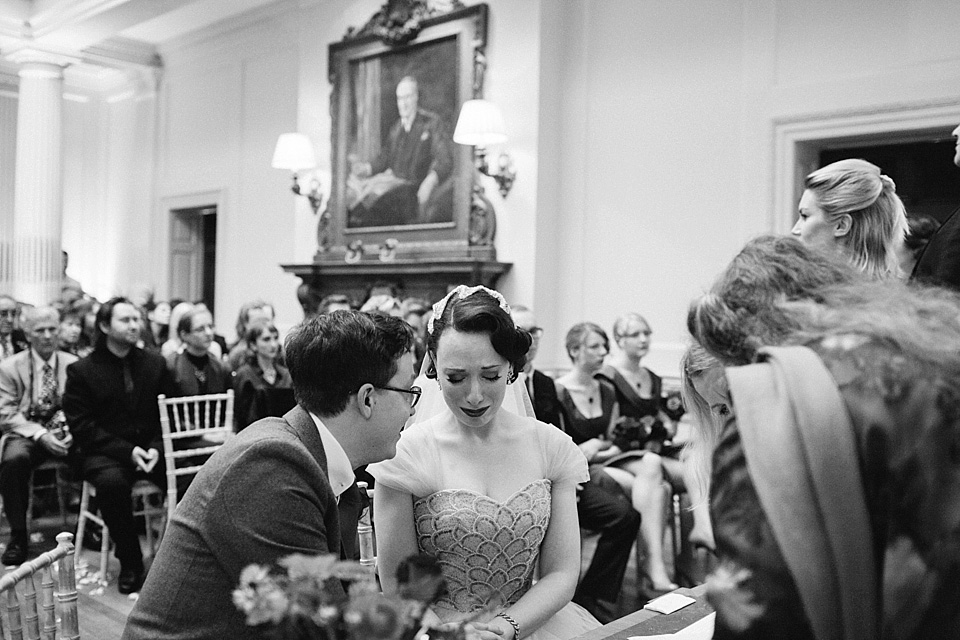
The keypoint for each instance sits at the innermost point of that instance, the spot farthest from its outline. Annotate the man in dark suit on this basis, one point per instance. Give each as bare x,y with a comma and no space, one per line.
12,339
31,385
283,485
110,402
939,263
410,175
602,505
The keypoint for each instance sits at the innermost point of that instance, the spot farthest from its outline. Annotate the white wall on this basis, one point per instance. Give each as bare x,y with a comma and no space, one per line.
644,133
667,158
224,101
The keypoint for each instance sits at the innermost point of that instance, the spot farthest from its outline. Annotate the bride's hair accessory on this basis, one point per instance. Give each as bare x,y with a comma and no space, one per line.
463,291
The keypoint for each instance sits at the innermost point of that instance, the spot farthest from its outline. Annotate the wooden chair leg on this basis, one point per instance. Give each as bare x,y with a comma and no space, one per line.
29,520
62,485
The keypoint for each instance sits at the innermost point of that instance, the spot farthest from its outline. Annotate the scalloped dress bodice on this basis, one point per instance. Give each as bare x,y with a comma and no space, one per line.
487,549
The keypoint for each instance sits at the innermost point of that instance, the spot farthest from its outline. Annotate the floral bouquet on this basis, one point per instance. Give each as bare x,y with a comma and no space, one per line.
324,598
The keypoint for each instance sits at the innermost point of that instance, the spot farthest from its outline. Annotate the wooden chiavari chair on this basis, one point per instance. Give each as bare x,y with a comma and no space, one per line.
17,619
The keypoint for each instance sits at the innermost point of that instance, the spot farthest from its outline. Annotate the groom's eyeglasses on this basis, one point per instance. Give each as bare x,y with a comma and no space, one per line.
413,391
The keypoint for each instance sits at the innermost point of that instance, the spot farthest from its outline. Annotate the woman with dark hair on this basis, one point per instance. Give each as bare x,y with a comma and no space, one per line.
919,231
847,433
71,329
480,480
158,319
260,372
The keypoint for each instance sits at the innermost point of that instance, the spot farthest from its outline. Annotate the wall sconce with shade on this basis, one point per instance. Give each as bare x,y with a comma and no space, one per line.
294,152
480,125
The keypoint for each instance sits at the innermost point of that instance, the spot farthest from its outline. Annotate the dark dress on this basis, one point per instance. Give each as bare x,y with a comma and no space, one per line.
579,426
248,382
640,426
603,507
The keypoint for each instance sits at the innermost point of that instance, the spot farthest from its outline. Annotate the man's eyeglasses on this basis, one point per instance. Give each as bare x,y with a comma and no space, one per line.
8,313
413,391
534,332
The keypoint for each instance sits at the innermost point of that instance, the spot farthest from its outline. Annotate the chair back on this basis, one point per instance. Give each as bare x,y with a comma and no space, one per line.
365,533
43,623
193,428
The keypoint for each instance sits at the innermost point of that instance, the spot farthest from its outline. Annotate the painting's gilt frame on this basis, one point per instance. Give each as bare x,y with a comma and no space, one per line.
401,26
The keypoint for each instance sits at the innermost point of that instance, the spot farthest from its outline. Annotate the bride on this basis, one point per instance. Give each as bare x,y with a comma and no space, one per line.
484,488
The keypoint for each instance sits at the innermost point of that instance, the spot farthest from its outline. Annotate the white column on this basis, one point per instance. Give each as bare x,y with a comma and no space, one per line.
38,199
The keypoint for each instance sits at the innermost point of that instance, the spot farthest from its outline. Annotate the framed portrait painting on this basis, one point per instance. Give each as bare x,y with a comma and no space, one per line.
397,173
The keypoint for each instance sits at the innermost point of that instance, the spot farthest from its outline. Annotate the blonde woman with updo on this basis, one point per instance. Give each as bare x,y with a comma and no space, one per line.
850,209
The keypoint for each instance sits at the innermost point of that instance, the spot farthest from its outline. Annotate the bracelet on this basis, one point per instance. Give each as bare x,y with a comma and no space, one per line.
513,623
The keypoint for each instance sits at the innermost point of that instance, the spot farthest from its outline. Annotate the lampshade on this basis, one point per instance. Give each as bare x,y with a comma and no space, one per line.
294,152
480,124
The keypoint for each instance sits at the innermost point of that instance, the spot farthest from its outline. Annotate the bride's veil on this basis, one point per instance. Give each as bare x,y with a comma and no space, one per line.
515,400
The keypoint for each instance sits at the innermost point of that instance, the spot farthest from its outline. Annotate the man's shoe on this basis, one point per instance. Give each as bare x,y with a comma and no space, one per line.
16,553
130,580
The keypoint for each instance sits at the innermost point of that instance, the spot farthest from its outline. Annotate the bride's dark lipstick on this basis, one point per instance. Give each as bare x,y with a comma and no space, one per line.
474,413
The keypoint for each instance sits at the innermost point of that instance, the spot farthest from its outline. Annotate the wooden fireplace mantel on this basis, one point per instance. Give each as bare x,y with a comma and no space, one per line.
429,279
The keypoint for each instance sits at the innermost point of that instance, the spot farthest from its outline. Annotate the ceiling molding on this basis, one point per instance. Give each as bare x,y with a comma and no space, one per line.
68,12
25,52
122,53
232,24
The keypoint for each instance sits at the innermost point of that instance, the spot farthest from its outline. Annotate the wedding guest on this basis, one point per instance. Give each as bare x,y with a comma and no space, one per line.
416,312
251,313
850,209
71,329
88,337
643,430
707,399
919,231
845,435
471,466
31,420
739,313
602,504
335,302
158,315
592,414
174,344
12,338
110,402
384,304
283,485
939,263
260,372
195,370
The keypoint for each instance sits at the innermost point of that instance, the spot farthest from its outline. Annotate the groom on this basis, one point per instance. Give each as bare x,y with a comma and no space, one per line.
283,485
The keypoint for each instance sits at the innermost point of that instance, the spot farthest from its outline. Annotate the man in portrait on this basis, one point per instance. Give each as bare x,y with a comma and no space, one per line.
409,181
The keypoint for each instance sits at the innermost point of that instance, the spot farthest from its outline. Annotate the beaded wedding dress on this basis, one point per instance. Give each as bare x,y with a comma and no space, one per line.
487,549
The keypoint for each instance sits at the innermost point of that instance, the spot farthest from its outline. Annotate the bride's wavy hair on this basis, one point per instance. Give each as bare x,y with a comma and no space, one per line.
480,312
